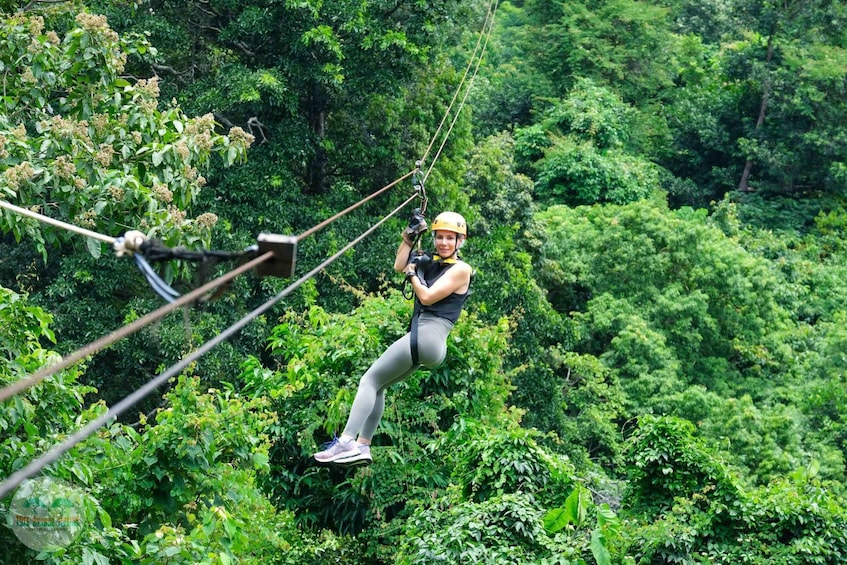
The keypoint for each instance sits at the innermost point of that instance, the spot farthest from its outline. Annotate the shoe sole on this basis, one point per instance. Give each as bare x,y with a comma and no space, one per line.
354,461
336,458
333,460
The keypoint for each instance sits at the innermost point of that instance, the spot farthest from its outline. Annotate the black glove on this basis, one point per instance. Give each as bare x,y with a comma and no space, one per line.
421,259
417,224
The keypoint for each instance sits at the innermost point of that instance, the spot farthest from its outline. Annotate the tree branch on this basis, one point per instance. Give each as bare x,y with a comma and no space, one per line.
254,122
206,7
165,69
223,120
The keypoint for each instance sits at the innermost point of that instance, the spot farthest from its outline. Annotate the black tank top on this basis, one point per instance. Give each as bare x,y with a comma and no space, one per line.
449,307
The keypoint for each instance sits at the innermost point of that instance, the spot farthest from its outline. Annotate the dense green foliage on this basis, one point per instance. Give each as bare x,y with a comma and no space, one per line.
650,368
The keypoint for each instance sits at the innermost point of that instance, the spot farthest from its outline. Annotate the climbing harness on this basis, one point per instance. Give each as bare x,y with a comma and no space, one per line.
426,264
445,221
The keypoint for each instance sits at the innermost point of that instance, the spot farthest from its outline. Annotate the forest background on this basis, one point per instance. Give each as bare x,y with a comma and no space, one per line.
651,368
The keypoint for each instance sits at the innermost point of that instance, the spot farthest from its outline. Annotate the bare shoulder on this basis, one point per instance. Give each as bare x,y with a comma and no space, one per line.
463,268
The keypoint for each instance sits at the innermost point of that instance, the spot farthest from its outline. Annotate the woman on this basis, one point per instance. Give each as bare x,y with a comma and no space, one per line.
441,287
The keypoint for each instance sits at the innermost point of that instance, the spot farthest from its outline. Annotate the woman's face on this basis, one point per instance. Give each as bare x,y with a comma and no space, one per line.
445,242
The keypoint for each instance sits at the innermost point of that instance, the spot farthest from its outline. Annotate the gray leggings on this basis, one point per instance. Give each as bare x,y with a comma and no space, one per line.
392,367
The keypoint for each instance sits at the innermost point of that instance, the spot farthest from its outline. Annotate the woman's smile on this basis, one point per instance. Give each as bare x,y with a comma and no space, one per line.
445,243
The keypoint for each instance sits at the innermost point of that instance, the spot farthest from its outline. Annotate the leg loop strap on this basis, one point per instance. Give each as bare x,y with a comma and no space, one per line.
413,339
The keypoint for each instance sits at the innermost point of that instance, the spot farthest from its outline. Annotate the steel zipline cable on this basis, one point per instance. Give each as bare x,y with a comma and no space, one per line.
57,223
54,453
177,302
328,221
489,25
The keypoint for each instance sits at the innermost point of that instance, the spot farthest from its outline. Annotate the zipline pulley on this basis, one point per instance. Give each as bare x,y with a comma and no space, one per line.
418,178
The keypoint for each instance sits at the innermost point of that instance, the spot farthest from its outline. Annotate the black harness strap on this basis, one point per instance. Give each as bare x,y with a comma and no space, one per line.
416,313
413,336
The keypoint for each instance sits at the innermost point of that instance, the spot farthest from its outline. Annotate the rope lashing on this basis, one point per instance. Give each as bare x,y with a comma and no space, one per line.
146,250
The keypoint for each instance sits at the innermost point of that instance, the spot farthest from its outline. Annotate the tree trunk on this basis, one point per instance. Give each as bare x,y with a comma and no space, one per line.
743,185
316,169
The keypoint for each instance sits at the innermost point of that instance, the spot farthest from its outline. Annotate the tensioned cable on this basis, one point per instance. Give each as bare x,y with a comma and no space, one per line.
458,88
92,348
175,300
456,116
490,22
54,453
489,17
328,221
47,220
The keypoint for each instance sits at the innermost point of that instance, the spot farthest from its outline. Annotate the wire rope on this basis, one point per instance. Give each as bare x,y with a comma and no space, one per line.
488,23
458,89
58,223
55,452
105,341
328,221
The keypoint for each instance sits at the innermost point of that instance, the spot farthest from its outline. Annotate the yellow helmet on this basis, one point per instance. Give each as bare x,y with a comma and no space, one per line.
450,221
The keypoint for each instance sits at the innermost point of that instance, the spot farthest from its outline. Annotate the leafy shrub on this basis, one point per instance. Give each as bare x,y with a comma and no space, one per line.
578,173
489,462
793,520
500,484
665,462
506,528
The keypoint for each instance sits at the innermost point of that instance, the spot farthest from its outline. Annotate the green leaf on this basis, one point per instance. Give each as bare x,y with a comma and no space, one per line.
231,154
93,246
598,548
260,460
82,472
171,551
556,519
105,518
576,505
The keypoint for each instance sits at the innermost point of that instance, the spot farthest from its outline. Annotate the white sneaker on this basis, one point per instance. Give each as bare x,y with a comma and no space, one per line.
337,449
361,458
